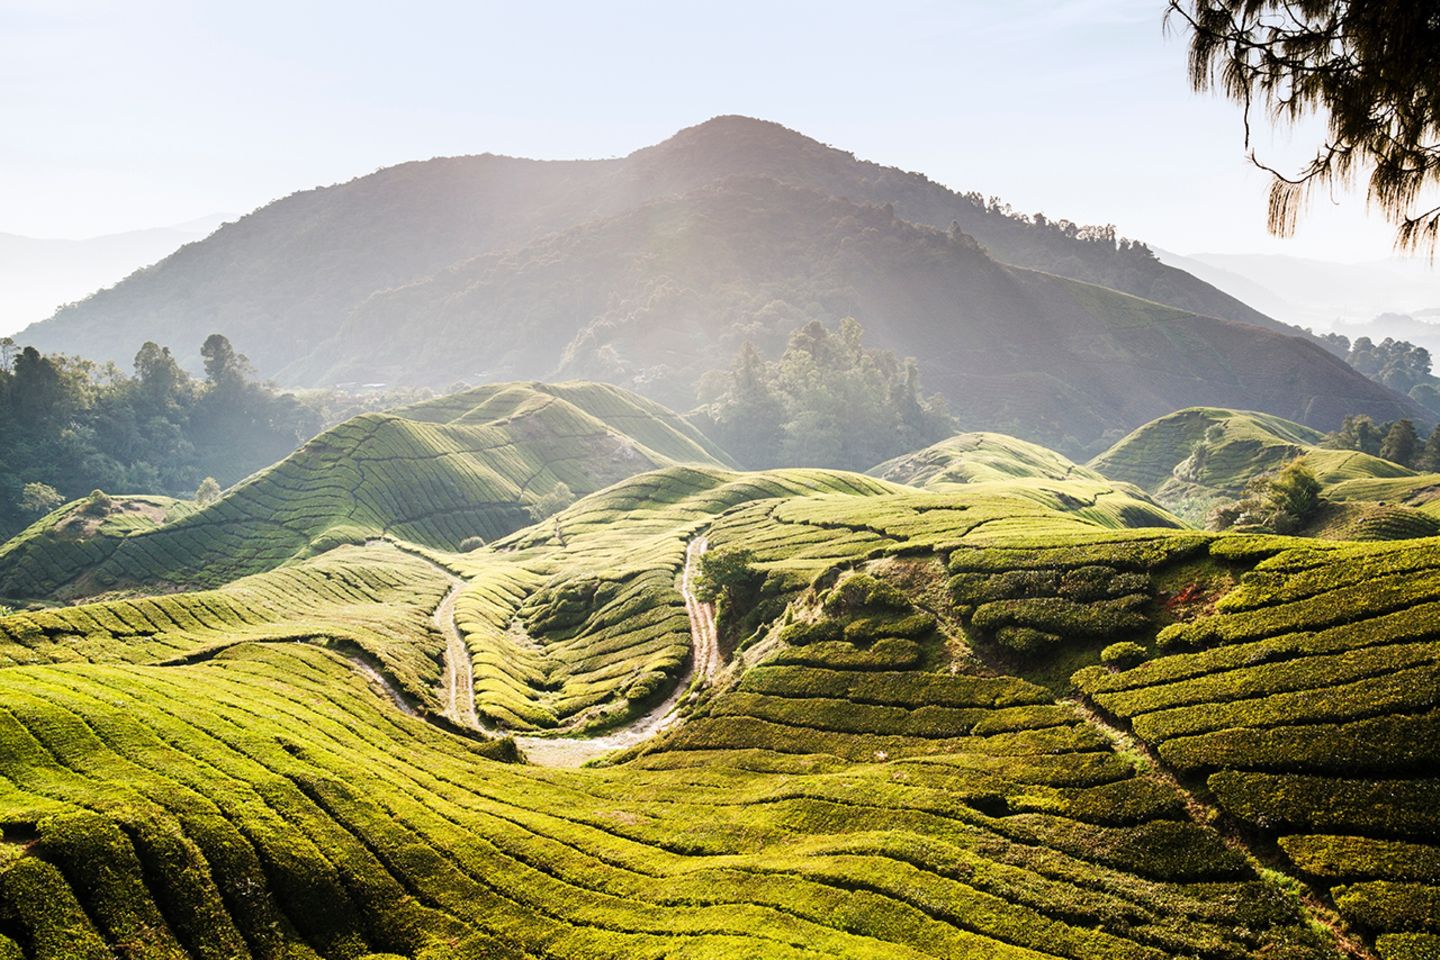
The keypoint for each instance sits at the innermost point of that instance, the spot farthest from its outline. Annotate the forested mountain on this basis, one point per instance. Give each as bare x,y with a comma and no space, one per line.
304,264
657,297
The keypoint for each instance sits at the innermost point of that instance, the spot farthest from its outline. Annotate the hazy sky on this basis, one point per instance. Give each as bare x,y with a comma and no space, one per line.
116,116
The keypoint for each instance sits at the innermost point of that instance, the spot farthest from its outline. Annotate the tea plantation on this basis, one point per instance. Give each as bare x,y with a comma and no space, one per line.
473,464
1023,712
1193,458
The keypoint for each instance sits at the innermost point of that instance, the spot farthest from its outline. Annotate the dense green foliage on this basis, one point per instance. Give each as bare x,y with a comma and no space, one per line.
826,402
74,426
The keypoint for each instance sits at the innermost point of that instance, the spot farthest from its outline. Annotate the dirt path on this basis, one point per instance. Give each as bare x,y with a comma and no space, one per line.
458,694
459,671
383,682
704,663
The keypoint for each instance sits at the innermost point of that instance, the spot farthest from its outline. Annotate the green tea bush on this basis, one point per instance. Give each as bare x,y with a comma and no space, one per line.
1122,655
801,633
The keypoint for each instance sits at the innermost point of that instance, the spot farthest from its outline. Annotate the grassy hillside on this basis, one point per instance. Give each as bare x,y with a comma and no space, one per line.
893,762
473,464
1194,458
978,457
276,279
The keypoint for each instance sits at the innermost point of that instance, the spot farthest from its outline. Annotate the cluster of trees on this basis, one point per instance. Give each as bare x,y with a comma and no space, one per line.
1399,364
1399,442
1279,501
1103,235
69,426
827,402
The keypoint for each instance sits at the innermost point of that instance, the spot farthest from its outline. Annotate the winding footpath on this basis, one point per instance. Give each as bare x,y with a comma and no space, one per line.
459,670
458,694
704,664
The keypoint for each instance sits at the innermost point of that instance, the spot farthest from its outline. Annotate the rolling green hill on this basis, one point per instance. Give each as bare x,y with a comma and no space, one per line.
473,464
891,761
978,457
1194,458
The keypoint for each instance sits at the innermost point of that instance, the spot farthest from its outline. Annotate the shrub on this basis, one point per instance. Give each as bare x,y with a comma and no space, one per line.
726,574
98,504
208,492
645,686
470,544
801,633
38,498
1025,640
1122,655
863,590
559,497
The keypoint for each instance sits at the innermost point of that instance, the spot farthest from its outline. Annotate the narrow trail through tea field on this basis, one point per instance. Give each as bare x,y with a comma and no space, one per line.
459,672
1318,907
458,694
704,664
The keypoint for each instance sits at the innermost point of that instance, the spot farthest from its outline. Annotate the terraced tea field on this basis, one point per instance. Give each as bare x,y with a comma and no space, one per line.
1194,458
474,464
1023,716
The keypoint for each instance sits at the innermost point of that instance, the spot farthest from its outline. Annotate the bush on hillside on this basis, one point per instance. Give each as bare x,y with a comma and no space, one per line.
1280,501
39,498
98,504
470,544
208,492
559,497
1122,655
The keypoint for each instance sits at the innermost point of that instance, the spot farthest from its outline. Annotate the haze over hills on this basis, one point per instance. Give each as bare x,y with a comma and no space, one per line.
1347,298
651,270
40,275
303,262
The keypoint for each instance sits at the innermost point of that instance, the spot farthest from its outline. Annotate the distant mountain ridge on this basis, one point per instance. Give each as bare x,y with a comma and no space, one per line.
648,271
39,274
304,260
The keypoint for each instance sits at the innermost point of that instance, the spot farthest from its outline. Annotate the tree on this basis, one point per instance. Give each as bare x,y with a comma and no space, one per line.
223,366
1400,443
39,498
1293,494
1429,459
99,503
1357,432
1280,501
727,576
208,492
1370,68
828,401
38,389
559,497
160,376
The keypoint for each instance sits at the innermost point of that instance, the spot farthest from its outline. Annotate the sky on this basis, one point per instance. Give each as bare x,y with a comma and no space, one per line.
120,116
